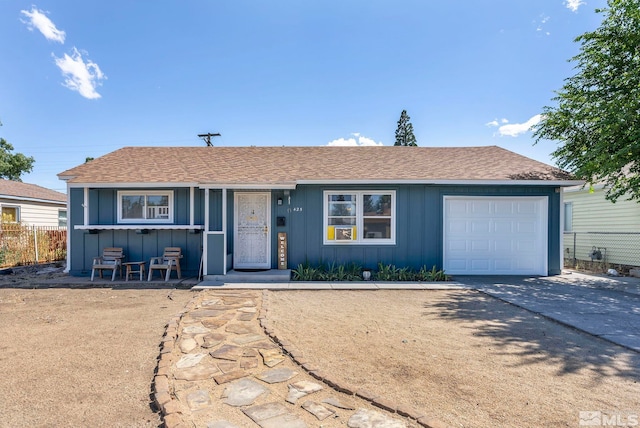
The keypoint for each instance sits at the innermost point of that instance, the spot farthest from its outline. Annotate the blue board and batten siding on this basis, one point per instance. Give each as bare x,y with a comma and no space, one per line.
137,247
419,227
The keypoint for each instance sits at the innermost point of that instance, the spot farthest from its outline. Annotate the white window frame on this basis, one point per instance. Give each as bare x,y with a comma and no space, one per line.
146,193
60,211
567,217
359,231
18,213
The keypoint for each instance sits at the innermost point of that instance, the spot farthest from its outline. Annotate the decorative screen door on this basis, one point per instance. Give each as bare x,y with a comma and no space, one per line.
252,232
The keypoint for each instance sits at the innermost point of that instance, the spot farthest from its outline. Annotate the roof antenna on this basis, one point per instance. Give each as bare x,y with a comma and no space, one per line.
207,137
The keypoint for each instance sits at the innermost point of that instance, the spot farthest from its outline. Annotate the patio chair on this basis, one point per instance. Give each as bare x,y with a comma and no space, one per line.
111,259
170,260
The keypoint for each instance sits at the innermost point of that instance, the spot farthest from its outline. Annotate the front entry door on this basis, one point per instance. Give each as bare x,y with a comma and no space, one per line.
252,234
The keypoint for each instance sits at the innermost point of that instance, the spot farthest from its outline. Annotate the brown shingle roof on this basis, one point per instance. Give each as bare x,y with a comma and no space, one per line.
288,165
18,189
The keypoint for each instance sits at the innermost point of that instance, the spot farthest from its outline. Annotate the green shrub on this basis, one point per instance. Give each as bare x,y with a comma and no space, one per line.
353,272
305,272
385,273
431,275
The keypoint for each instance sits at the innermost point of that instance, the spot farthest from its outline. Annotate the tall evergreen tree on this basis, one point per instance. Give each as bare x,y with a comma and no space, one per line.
404,132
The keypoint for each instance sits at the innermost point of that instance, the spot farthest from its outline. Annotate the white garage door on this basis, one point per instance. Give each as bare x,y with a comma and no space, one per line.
495,235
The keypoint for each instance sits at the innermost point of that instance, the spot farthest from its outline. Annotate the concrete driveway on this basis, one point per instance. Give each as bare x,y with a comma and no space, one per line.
606,307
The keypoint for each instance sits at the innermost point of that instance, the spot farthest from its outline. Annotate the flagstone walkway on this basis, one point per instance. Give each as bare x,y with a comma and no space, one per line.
222,365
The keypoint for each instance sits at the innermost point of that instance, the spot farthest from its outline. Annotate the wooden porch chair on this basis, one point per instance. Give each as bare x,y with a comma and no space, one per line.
170,260
111,259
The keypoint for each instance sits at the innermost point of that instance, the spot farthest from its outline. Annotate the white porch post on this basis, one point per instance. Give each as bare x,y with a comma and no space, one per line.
191,206
68,257
85,206
562,220
205,235
224,231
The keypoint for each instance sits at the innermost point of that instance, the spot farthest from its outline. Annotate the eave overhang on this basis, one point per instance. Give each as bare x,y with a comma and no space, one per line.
293,185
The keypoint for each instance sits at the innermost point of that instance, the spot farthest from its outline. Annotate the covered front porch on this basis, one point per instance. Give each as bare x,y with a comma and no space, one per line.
244,235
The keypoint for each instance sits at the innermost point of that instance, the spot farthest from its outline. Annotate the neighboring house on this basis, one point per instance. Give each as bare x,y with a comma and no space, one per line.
598,229
467,210
32,205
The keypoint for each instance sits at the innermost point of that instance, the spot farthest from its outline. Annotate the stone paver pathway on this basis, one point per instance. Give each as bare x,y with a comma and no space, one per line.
222,366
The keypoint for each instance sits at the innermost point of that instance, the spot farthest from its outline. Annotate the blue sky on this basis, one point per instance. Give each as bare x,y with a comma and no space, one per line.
81,79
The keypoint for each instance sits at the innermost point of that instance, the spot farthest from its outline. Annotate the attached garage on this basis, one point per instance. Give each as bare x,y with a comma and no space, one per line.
495,235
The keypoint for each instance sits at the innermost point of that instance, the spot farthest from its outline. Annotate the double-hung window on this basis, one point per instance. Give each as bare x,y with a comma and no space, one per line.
145,206
359,217
62,218
568,217
10,214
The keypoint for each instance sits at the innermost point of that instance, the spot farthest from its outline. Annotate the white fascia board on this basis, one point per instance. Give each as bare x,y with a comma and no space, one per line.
130,185
26,199
560,183
248,186
292,186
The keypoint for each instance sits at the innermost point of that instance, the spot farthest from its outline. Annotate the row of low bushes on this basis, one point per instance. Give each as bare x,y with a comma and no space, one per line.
354,272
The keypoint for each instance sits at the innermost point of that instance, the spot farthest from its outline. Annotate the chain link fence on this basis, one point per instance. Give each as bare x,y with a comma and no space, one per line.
23,245
599,251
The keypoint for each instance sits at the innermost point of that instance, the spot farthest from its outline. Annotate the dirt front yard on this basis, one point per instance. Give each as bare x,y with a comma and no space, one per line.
81,357
461,356
86,357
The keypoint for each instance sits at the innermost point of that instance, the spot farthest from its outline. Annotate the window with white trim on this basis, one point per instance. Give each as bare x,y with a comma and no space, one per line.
62,218
10,214
568,216
359,217
145,207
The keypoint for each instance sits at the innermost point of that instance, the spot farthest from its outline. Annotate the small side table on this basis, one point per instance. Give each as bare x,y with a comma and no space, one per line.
130,269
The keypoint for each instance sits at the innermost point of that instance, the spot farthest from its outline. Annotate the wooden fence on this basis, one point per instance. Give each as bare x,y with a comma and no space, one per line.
24,245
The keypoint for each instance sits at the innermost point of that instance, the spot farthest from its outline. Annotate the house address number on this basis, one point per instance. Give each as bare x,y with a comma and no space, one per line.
297,209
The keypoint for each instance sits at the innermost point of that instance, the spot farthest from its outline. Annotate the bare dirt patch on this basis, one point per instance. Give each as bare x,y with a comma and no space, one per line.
461,356
86,357
80,357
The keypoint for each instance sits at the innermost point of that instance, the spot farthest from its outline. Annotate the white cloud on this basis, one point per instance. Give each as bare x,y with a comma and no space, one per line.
364,141
573,5
359,140
40,21
80,76
495,122
515,129
540,26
